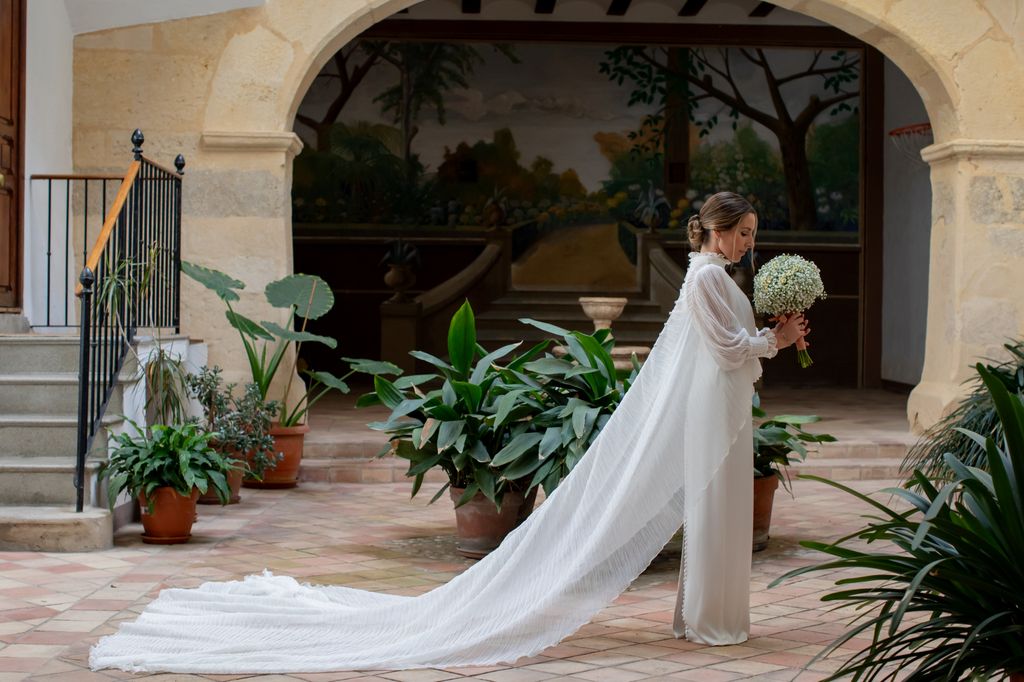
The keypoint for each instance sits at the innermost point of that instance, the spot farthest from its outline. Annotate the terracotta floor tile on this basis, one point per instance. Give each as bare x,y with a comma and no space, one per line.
52,607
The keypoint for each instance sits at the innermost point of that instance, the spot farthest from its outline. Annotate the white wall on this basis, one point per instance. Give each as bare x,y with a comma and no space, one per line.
98,15
907,230
48,69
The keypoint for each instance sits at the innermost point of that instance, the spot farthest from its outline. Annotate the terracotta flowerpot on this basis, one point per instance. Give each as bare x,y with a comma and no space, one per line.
234,483
1017,677
526,508
480,526
288,441
172,517
764,495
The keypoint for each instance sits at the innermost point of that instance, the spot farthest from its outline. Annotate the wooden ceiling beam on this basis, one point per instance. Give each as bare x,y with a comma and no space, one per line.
618,8
471,6
544,7
692,8
762,10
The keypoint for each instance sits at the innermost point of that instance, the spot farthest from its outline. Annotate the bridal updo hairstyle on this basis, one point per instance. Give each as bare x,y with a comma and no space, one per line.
722,211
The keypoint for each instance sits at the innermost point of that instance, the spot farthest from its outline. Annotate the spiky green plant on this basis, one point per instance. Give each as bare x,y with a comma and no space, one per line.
943,596
975,413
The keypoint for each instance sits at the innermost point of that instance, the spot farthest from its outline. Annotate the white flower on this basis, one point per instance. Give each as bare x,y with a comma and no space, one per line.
787,284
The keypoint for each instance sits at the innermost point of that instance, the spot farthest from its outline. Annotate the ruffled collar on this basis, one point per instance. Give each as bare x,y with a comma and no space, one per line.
709,257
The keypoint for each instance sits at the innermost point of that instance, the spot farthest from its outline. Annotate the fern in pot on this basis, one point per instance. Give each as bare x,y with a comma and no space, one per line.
166,468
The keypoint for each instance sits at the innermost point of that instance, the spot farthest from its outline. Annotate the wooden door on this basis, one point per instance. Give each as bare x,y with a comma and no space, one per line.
12,22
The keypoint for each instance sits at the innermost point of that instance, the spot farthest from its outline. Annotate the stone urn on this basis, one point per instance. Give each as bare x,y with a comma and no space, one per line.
398,278
602,310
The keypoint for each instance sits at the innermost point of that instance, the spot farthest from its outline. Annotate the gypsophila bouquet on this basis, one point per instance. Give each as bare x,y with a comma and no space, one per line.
785,286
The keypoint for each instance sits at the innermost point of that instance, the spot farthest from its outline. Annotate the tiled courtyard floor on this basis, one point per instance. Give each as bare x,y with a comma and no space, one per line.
54,606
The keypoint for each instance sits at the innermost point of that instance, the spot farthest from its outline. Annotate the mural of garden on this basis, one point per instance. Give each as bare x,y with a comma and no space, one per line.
574,140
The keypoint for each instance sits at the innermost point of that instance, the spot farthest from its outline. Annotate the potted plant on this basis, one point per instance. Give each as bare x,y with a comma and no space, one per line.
776,441
267,345
652,209
975,413
166,468
241,427
938,586
401,257
498,431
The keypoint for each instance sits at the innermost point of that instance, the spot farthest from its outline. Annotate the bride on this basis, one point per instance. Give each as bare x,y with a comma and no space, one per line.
677,451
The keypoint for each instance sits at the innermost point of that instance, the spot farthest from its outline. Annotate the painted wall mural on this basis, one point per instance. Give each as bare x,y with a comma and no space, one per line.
580,137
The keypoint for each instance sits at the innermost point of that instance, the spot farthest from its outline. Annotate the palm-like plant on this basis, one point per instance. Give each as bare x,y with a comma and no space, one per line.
975,413
948,601
494,427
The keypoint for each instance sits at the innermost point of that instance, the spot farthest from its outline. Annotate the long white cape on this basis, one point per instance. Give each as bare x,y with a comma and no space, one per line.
583,547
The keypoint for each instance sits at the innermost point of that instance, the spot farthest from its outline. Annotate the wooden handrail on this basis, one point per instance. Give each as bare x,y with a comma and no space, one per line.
75,176
108,224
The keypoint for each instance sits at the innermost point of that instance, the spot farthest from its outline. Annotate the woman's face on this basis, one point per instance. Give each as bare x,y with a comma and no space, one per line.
734,243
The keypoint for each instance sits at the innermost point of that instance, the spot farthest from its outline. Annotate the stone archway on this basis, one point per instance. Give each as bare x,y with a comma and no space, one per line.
977,159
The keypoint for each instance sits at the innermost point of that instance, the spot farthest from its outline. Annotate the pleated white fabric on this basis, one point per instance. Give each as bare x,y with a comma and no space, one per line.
679,433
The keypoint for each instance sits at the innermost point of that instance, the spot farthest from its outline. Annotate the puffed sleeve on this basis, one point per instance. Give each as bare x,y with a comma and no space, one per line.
730,343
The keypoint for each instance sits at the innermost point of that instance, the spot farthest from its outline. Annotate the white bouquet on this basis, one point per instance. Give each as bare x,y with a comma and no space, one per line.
785,286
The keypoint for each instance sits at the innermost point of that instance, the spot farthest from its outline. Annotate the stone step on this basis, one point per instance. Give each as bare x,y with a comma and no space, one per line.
366,470
50,393
847,449
850,469
45,480
541,307
22,353
351,458
39,435
505,334
55,529
510,319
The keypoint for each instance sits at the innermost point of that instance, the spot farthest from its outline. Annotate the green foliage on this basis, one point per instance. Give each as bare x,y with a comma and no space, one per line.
177,456
833,155
748,164
306,297
976,413
652,208
127,282
496,427
941,597
240,423
427,72
778,439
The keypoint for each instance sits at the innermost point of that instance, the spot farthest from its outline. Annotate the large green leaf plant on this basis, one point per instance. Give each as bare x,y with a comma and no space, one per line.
492,422
941,595
305,297
781,439
179,456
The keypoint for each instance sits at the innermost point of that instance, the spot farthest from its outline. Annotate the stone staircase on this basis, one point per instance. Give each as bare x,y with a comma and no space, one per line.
639,325
38,427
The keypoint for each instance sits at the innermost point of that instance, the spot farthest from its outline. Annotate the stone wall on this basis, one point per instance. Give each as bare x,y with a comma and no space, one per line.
223,90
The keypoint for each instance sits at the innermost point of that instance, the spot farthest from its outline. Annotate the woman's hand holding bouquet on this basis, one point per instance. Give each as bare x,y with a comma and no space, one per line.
787,285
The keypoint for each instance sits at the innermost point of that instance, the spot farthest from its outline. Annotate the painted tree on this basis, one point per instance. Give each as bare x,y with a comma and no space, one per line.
711,73
427,72
352,63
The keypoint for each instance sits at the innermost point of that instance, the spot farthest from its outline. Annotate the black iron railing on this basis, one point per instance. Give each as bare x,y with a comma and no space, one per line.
131,281
75,206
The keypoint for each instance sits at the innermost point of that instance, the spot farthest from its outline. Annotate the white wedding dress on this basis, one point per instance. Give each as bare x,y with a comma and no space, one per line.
679,447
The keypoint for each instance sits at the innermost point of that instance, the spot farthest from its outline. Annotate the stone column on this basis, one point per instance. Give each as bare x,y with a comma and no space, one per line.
237,219
976,267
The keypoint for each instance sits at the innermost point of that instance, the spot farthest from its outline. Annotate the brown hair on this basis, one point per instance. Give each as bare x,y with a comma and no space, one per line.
722,211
